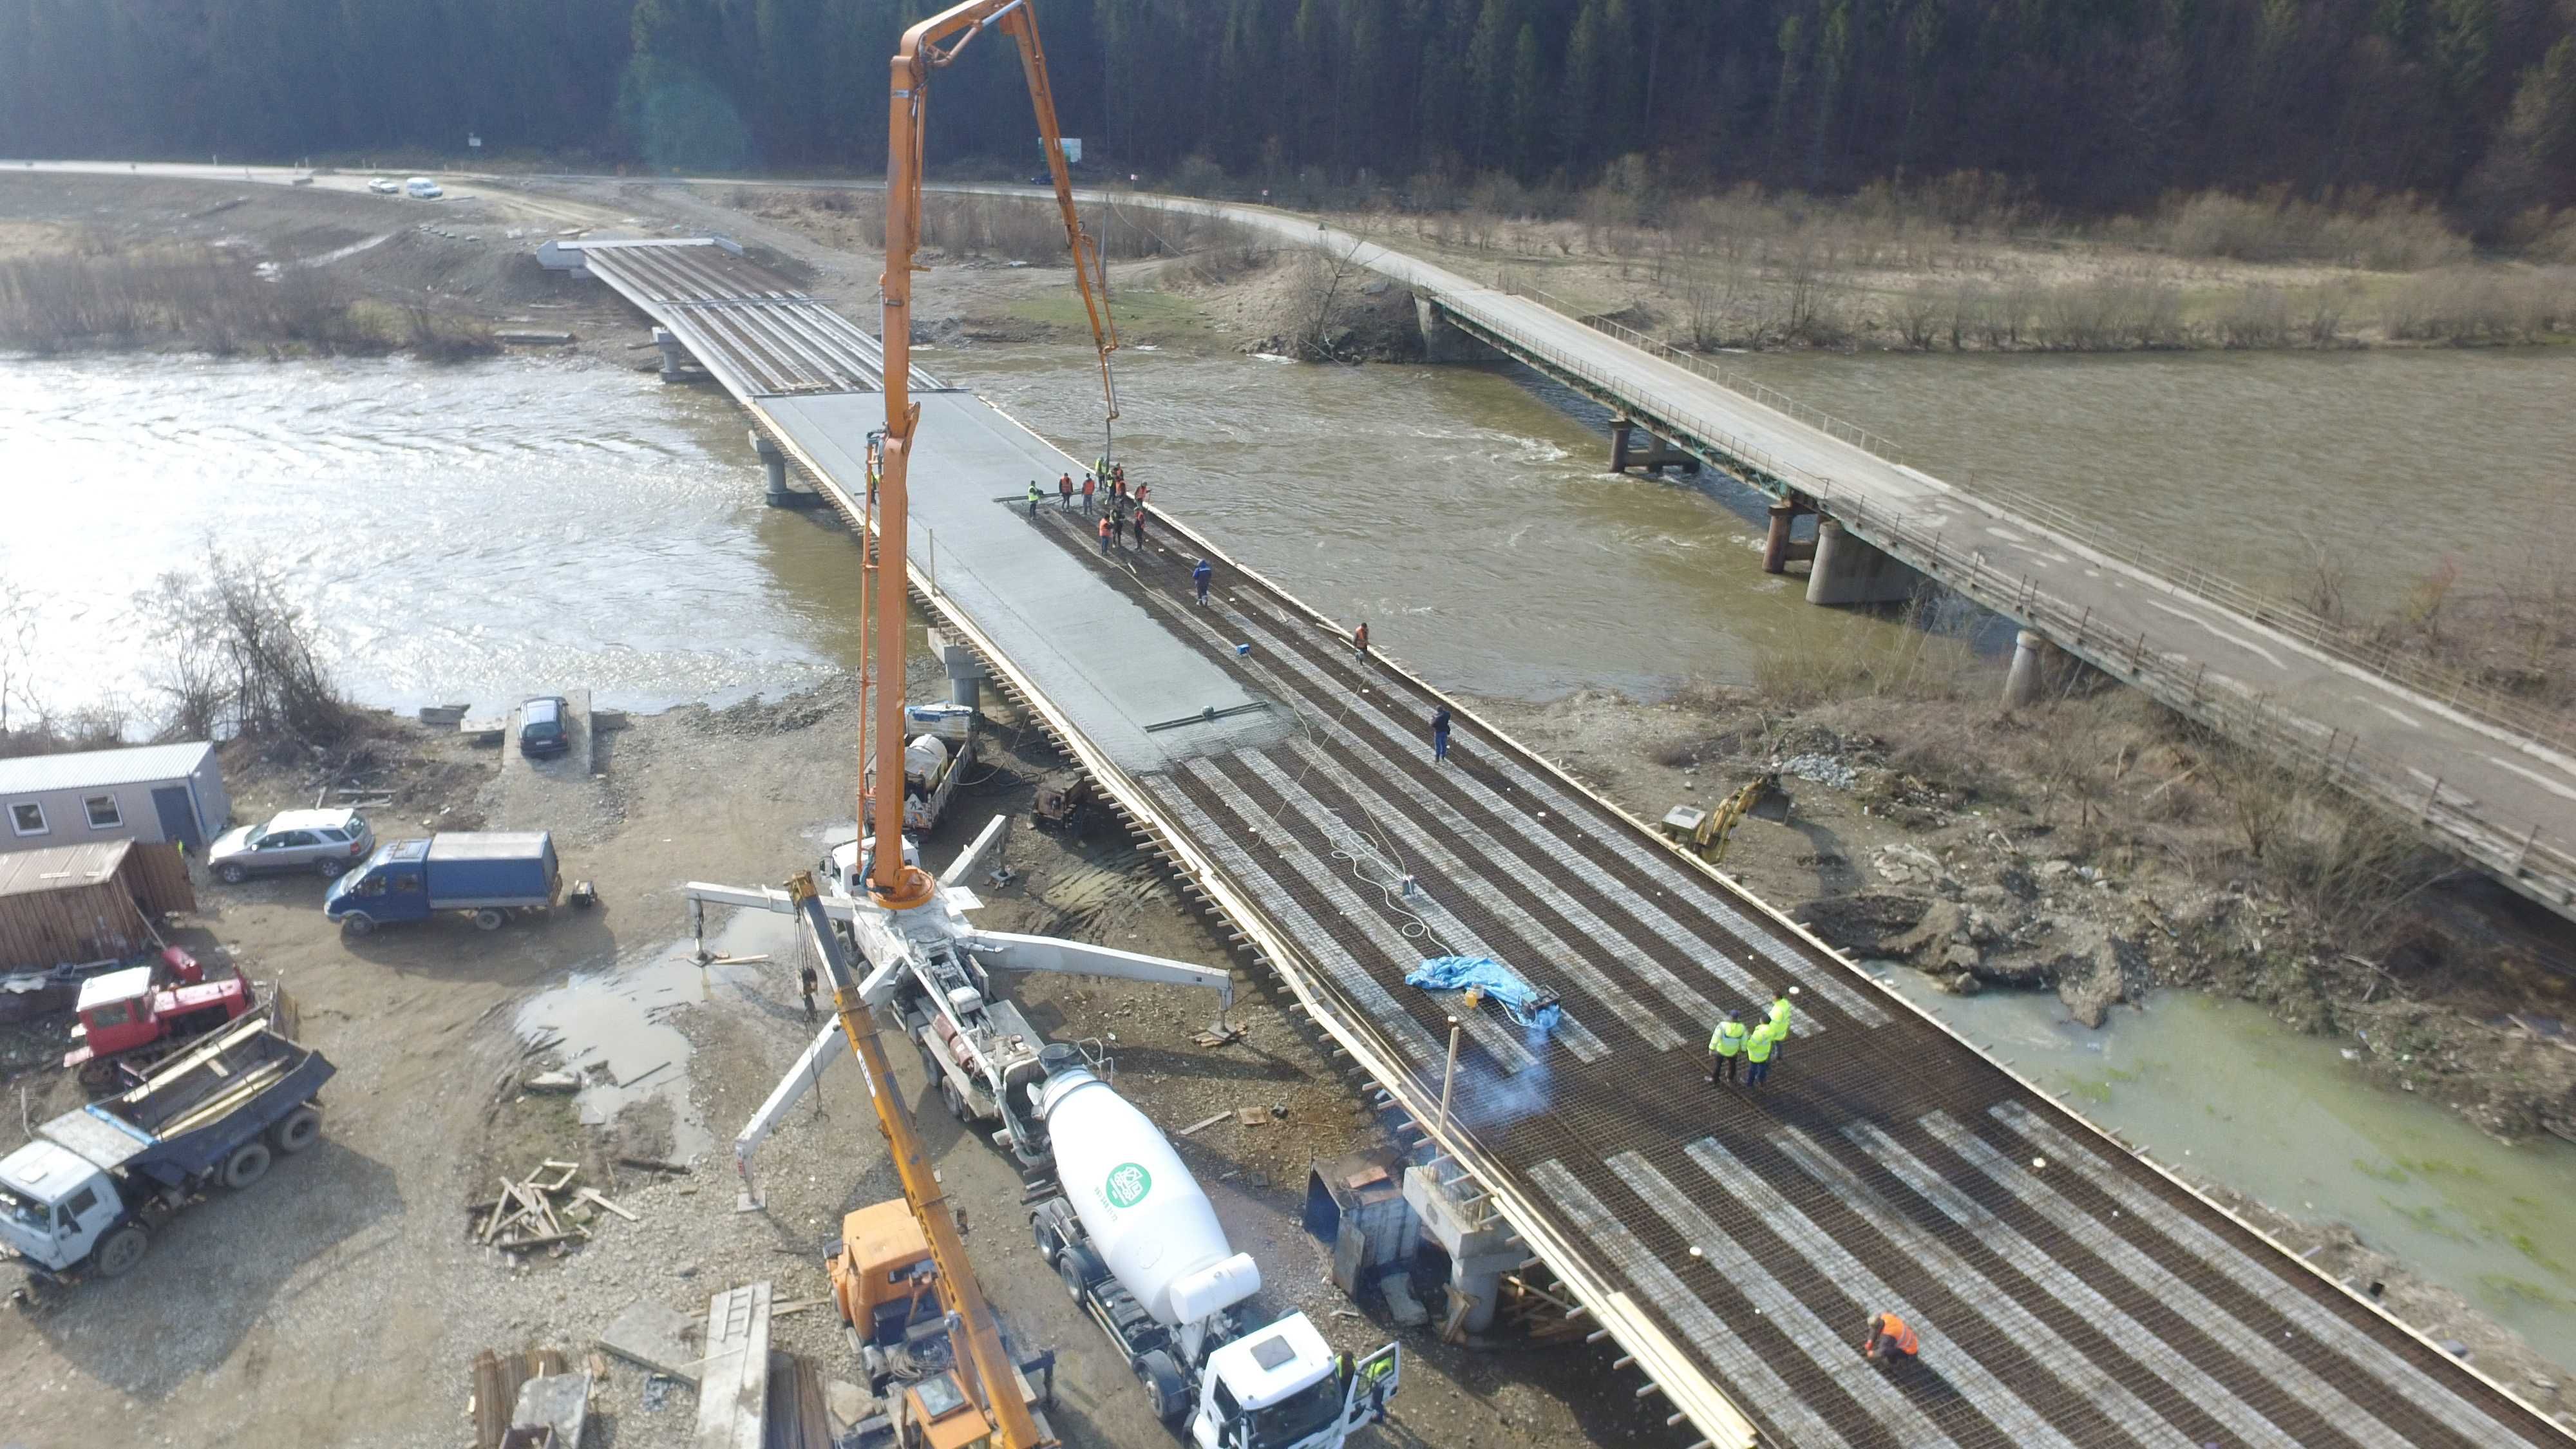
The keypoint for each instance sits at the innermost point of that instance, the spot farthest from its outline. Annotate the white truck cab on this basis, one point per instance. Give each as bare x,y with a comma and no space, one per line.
1280,1387
845,866
55,1205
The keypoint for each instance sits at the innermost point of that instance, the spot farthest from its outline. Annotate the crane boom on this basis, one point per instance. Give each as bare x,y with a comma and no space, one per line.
926,47
995,1381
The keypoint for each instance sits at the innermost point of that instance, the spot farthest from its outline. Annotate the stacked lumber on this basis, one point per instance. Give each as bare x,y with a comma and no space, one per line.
532,1212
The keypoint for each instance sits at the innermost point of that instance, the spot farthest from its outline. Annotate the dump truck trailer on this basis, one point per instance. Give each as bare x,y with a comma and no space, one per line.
94,1186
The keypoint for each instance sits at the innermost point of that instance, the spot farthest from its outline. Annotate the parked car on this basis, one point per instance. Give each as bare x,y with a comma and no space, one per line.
384,186
545,727
327,841
421,188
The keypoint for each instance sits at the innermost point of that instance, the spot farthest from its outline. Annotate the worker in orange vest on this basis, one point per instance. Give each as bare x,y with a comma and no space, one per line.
1105,535
1888,1335
1088,483
1064,491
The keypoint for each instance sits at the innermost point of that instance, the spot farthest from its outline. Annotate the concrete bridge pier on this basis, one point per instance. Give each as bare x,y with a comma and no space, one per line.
1445,341
966,672
678,364
2035,660
1654,458
1778,549
775,461
1848,571
1478,1243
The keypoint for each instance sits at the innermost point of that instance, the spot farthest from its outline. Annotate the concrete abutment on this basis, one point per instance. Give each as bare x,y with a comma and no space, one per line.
1445,341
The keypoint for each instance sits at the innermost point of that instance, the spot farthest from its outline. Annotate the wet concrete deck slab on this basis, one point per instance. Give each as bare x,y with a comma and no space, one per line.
1096,654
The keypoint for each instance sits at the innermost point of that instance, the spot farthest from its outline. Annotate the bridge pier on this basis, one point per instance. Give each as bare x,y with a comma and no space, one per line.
1848,571
966,672
1654,458
1445,341
775,461
1778,549
2034,660
677,363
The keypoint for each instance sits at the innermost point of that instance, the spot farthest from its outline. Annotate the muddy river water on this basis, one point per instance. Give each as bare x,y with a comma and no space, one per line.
475,533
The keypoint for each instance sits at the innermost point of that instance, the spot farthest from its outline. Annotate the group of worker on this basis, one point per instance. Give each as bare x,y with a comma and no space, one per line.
1738,1051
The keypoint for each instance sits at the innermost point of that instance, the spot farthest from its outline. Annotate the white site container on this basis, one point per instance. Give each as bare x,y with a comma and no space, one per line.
950,722
1148,1218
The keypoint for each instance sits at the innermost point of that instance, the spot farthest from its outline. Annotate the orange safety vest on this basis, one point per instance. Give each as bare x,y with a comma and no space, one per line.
1896,1331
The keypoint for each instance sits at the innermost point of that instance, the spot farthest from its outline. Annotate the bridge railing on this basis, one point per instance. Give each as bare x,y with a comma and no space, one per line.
2449,687
1726,377
2512,847
2507,845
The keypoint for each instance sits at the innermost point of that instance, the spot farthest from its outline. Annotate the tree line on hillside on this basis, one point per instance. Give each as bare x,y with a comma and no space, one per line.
2095,105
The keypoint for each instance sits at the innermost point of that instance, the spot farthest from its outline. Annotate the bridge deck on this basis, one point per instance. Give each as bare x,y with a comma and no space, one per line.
2067,1292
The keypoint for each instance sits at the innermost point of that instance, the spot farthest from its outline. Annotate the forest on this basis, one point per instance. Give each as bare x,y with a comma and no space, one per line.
2089,106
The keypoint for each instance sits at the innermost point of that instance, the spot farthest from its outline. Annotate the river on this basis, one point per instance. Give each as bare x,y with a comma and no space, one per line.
466,534
2393,463
481,532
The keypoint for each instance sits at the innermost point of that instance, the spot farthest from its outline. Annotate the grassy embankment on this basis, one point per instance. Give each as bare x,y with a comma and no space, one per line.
66,289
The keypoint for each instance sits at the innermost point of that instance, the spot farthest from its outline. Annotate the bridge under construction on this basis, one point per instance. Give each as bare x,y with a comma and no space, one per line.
1725,1247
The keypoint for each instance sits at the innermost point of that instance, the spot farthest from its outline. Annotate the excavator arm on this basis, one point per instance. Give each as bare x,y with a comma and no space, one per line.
929,46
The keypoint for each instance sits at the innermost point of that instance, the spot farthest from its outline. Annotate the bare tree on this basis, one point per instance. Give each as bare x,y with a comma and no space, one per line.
1317,304
17,657
242,657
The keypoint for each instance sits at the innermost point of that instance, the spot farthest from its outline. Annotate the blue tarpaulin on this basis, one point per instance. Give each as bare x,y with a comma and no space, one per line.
1531,1007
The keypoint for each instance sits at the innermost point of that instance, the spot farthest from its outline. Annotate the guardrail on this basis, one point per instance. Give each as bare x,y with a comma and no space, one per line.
2450,687
2514,849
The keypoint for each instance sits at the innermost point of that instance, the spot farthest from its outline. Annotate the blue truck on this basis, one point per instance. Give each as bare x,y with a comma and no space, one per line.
488,875
89,1191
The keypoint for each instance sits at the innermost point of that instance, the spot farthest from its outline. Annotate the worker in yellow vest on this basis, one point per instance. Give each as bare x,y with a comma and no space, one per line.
1757,1053
1780,1016
1726,1050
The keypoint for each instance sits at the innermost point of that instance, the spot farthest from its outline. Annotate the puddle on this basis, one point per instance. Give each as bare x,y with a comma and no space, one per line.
2224,1092
615,1029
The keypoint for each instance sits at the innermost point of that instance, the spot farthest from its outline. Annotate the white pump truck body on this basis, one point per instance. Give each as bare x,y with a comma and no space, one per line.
1137,1245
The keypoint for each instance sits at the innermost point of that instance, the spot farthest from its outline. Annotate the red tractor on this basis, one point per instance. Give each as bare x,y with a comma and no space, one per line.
133,1017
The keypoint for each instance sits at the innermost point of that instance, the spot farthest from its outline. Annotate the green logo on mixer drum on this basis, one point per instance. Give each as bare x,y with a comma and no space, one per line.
1127,1185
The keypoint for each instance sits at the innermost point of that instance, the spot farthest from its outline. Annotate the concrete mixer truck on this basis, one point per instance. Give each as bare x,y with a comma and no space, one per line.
1137,1244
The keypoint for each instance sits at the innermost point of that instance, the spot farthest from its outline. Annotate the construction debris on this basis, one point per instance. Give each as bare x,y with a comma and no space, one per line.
497,1381
529,1214
555,1405
1203,1124
654,1336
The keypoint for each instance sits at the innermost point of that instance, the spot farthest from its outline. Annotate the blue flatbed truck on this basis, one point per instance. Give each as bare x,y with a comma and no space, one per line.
89,1191
487,875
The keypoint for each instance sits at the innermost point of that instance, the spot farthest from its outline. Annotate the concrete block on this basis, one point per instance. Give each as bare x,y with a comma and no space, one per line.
654,1336
560,1402
1848,571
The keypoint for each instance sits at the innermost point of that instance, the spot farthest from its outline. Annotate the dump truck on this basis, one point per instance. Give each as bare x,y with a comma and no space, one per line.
133,1017
488,876
1136,1243
88,1193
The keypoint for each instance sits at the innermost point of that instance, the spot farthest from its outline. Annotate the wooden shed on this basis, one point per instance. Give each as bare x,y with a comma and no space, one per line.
78,903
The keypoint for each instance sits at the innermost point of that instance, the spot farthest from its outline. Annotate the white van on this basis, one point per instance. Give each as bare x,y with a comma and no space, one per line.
421,188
